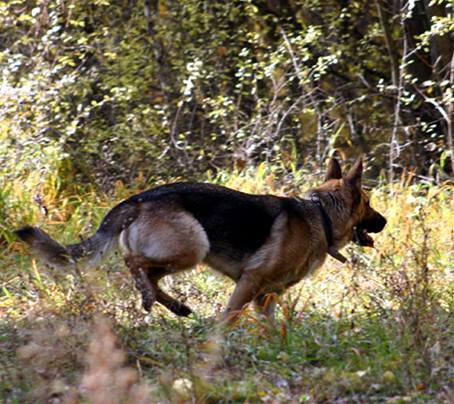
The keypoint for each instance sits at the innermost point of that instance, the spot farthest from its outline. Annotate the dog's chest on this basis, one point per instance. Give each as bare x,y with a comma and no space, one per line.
309,267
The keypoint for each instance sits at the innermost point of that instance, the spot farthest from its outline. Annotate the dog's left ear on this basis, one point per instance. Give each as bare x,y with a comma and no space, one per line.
334,171
355,174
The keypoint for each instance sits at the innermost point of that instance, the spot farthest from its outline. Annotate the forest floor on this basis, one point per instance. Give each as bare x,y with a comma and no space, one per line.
378,329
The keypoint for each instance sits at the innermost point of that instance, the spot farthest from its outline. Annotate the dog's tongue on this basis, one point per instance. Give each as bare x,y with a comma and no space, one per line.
368,239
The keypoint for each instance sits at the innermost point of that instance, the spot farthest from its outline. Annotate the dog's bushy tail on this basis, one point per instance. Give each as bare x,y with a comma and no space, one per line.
92,249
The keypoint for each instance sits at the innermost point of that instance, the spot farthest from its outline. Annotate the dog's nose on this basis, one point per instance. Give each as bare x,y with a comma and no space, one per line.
375,223
380,223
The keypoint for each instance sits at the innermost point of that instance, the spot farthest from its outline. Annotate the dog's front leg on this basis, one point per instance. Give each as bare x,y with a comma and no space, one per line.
265,305
246,289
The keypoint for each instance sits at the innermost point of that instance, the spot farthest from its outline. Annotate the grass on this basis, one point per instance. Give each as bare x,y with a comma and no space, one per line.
377,329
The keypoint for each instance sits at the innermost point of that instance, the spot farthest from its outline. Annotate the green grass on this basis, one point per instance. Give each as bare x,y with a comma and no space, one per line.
377,329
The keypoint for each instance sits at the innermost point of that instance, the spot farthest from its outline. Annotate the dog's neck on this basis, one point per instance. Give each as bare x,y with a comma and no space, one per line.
328,228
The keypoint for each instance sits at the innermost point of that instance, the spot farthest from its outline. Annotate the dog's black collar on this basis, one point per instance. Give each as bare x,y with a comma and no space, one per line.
328,229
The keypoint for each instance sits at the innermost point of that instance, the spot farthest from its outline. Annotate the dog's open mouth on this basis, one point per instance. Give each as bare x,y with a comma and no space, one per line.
361,237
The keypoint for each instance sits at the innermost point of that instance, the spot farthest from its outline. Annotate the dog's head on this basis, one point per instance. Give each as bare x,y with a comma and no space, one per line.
352,203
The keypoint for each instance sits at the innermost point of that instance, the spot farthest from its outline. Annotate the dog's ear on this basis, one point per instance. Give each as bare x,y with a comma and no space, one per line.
355,174
334,171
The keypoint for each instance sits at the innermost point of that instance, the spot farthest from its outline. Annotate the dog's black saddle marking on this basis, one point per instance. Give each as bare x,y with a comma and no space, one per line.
236,223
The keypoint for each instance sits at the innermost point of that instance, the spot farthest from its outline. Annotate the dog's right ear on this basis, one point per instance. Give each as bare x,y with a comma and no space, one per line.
355,173
334,171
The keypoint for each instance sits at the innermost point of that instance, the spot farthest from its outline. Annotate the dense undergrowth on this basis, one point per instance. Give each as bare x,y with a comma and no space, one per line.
379,328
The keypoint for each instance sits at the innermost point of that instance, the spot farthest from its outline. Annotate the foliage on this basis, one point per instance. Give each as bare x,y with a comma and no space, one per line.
103,90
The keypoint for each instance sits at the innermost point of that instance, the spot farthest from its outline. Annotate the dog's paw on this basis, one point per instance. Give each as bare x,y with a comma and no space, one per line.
147,302
180,309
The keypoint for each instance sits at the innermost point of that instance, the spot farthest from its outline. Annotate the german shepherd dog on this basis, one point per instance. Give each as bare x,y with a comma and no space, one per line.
264,243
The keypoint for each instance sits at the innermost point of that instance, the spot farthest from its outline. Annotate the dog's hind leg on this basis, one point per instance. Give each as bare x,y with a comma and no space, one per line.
172,304
138,267
175,306
146,277
163,240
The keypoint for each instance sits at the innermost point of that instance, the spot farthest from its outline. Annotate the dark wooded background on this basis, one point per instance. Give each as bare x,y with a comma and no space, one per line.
108,89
